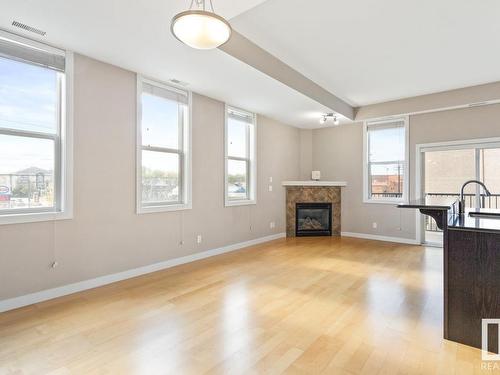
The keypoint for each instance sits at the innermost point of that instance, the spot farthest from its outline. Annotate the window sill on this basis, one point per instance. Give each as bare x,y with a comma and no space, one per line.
165,208
34,217
245,202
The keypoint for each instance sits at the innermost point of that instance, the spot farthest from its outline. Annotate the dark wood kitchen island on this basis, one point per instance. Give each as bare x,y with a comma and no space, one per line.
471,270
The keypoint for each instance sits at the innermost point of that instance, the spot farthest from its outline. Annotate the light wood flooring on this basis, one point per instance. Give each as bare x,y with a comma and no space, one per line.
295,306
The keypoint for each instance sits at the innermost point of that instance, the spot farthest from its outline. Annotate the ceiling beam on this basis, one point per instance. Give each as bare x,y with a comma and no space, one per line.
250,53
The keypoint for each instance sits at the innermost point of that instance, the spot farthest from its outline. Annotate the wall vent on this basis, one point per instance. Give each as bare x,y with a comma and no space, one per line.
180,83
28,28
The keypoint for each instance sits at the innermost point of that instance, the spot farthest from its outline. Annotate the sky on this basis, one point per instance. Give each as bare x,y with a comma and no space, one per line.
160,128
28,101
387,144
236,133
160,122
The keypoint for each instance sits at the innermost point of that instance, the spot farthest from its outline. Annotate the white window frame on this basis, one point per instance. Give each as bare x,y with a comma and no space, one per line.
476,144
185,154
63,144
366,170
250,158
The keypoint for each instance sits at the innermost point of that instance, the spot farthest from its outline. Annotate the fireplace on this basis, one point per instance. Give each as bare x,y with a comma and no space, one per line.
313,219
306,192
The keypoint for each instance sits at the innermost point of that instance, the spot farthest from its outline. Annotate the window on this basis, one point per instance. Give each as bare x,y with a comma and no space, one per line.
443,167
240,160
163,148
386,161
35,136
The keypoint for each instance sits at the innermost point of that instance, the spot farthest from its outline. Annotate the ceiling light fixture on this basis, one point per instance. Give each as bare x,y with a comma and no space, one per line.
200,28
324,118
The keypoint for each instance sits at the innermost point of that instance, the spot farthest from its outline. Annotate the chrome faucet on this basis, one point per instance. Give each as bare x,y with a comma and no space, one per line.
461,205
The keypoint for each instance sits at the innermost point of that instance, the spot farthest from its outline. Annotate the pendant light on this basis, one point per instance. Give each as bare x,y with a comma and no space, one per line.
201,28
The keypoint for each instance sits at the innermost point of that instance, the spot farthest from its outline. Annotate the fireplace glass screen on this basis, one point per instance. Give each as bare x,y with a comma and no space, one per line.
313,219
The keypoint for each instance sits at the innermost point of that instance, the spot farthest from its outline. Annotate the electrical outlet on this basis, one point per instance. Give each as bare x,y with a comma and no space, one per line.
270,179
272,225
270,187
198,238
374,225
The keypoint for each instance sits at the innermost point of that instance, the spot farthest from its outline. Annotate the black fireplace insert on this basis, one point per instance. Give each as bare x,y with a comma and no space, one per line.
313,219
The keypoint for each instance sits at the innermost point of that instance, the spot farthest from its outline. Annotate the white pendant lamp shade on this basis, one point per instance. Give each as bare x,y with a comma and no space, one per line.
201,29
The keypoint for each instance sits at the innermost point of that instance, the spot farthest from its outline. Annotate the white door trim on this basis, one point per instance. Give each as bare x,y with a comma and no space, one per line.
420,148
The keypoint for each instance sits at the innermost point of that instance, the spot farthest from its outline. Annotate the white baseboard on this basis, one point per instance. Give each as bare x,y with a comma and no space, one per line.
375,237
44,295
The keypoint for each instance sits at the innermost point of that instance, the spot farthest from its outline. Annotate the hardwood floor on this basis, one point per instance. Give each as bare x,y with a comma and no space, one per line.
297,306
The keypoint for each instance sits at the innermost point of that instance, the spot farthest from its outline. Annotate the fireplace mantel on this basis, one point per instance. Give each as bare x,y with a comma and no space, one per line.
314,183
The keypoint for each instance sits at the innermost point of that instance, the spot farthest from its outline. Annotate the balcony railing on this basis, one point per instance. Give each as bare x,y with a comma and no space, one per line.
492,201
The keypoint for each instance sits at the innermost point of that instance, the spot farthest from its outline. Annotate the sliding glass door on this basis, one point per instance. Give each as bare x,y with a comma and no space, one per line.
445,167
489,173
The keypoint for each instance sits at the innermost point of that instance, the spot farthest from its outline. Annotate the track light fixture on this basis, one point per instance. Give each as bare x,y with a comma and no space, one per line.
324,118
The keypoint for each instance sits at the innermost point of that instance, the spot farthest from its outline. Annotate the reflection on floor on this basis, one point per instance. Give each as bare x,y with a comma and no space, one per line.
435,238
303,305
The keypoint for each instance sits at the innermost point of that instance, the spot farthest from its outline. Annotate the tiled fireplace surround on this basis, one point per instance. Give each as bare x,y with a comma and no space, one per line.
312,194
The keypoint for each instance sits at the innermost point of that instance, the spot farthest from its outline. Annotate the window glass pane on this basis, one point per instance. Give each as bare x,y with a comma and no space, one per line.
387,180
26,172
160,122
490,167
386,143
160,177
237,138
28,97
446,171
237,179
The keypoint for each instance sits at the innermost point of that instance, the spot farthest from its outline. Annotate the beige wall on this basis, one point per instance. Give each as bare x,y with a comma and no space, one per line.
463,97
106,236
338,153
305,154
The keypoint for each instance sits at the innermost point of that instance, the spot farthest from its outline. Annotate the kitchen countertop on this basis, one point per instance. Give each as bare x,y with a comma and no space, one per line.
477,224
455,221
424,204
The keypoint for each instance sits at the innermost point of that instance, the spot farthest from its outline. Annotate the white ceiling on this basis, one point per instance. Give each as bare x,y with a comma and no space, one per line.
136,35
363,51
370,51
